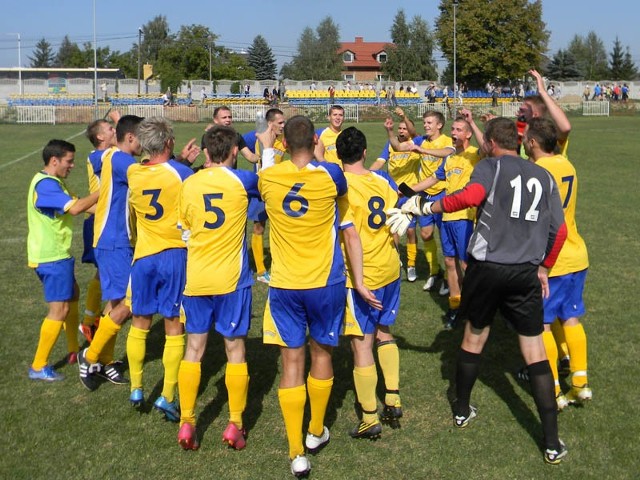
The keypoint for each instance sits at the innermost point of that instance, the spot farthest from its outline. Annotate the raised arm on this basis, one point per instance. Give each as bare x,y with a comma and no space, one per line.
557,114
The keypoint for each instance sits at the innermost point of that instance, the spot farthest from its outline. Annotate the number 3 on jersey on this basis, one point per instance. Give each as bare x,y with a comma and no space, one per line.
294,204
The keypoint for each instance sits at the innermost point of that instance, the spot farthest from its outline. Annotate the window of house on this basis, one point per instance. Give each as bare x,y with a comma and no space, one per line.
347,57
382,57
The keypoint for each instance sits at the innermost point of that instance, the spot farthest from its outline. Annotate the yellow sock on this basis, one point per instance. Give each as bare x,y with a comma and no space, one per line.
257,246
389,360
319,392
431,253
106,355
365,380
71,327
188,384
236,378
136,350
49,332
93,304
454,302
577,343
561,341
171,358
292,401
412,253
106,331
552,354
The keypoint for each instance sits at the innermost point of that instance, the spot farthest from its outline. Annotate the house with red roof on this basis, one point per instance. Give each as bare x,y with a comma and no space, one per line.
362,61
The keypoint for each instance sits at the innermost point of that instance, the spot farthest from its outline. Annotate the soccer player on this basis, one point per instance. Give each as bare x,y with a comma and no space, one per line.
403,167
370,194
457,226
102,135
159,259
222,116
113,253
519,232
257,213
50,207
433,139
213,216
567,277
325,148
307,206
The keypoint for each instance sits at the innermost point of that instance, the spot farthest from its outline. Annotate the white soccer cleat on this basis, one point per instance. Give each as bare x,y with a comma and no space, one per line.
300,466
315,443
412,276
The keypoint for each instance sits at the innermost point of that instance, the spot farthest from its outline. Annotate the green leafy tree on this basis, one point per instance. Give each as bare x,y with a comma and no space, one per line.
261,59
411,57
43,55
562,67
621,66
590,56
317,56
496,39
155,37
66,52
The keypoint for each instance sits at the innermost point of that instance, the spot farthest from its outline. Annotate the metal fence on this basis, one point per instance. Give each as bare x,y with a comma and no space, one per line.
247,112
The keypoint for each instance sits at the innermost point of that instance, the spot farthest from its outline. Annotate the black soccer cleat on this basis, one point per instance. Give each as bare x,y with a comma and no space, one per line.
371,431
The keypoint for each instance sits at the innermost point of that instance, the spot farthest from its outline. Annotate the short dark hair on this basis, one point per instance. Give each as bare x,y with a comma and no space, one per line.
299,133
218,109
219,141
502,131
56,148
336,107
93,129
127,124
543,131
437,115
271,114
351,144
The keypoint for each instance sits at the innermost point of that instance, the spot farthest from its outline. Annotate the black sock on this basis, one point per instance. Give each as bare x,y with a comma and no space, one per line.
467,370
543,391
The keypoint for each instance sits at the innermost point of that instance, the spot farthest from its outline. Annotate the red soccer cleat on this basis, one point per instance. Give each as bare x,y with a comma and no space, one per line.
234,437
187,437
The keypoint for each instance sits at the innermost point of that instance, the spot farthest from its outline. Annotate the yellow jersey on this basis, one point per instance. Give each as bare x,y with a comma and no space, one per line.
328,137
428,163
154,193
213,207
370,196
456,171
306,208
573,257
402,166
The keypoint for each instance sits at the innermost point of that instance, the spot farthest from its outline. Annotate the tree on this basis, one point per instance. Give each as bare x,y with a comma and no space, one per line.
42,55
496,39
621,66
590,56
66,53
562,67
411,56
155,37
317,56
261,59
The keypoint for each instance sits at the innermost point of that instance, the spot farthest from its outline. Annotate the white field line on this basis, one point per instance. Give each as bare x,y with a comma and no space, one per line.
11,162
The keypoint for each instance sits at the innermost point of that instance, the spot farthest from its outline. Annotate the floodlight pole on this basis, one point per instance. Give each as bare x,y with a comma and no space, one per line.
139,64
19,62
455,51
209,43
95,63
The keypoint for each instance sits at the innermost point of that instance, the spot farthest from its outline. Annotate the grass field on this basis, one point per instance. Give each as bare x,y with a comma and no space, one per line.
62,431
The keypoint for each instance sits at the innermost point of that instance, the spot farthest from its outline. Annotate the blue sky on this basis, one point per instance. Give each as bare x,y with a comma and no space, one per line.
279,21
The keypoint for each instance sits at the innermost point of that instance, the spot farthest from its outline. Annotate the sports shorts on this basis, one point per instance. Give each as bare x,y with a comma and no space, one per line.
114,267
57,279
565,297
361,318
230,312
454,237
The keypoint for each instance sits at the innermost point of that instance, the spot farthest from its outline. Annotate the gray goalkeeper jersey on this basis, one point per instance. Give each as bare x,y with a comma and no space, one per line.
521,213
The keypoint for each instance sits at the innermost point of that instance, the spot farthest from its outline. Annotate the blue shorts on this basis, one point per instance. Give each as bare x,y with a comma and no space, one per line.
230,312
288,313
57,279
454,237
157,283
361,318
114,267
256,210
565,297
87,240
436,218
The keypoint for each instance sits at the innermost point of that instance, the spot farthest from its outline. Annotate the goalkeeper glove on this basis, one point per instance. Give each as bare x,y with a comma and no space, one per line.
417,205
398,221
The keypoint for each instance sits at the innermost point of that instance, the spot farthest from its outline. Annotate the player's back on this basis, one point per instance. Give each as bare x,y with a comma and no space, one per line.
573,257
111,228
213,206
370,196
154,197
303,211
521,211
